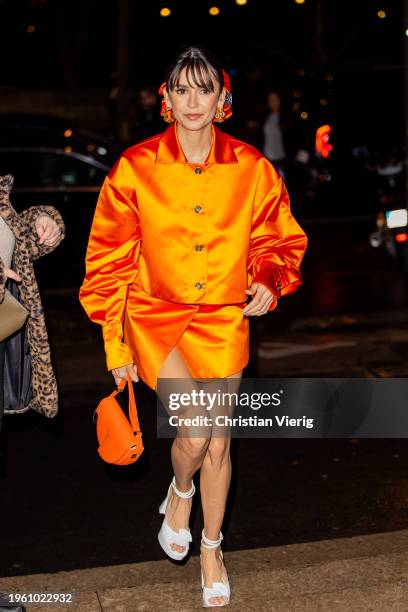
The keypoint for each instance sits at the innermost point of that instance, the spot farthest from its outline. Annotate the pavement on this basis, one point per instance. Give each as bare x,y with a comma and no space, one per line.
362,573
351,344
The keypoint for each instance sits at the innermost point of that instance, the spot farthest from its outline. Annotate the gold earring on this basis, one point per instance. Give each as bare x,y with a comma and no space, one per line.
219,115
167,114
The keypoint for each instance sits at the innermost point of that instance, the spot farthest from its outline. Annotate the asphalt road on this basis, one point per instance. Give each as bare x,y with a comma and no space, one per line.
63,508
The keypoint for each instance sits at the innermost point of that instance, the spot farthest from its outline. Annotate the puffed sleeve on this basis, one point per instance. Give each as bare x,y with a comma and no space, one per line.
112,260
277,242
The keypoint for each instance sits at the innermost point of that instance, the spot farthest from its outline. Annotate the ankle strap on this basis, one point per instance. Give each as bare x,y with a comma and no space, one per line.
183,494
207,543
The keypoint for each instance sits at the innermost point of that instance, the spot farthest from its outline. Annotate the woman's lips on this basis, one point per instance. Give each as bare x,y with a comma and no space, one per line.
192,117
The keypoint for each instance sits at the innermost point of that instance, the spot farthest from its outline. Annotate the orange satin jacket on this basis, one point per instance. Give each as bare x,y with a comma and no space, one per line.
187,232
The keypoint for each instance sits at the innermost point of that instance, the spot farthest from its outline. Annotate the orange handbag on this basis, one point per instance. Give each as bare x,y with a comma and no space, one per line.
120,441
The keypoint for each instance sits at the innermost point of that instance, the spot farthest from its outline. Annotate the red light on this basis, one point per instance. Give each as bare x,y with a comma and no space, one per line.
401,237
323,147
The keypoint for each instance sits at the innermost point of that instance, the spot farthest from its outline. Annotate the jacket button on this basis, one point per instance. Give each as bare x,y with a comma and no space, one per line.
198,170
199,247
198,285
197,208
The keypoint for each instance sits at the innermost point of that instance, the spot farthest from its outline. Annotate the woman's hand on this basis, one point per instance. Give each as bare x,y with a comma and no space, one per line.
47,230
11,274
261,300
122,372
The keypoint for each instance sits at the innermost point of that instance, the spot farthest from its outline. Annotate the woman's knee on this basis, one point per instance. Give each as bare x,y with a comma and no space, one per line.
218,451
194,447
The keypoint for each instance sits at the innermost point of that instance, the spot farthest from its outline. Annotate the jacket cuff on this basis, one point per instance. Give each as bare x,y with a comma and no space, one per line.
3,280
29,218
117,352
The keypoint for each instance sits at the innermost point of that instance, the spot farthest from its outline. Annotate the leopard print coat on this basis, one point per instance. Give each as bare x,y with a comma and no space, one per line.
26,250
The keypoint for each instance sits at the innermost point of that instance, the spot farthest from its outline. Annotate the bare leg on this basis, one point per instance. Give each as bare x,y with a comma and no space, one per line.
215,478
187,453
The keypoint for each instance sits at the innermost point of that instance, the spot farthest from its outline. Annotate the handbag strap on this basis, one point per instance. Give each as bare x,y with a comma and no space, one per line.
134,420
132,407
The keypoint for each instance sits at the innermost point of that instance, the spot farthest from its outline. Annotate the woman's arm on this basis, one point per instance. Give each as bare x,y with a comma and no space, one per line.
29,218
112,260
277,243
6,273
3,279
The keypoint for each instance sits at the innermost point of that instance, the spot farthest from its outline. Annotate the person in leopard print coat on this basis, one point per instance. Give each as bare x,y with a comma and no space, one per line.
34,235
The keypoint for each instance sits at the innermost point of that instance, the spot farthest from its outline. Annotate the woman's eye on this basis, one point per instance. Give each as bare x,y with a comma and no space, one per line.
205,91
180,90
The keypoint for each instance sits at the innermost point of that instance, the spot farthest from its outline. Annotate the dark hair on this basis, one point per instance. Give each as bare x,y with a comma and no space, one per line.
199,63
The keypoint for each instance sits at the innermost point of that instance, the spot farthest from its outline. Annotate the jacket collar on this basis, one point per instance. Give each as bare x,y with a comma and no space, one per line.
169,149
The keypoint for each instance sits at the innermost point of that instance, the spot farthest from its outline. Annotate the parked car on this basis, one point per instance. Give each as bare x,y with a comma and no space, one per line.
55,163
392,218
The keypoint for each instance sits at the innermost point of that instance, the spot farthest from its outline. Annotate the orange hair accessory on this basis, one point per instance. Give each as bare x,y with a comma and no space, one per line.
167,114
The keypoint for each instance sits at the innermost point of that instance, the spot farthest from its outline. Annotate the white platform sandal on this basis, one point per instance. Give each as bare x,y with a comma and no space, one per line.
218,589
167,535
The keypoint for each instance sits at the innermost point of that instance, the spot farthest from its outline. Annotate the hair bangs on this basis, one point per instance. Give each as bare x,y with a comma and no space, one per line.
197,73
202,69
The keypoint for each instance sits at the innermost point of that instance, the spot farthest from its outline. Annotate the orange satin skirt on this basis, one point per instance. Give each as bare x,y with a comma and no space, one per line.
213,339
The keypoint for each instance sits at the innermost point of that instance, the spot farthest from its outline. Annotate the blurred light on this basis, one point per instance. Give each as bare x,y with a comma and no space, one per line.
214,10
381,14
165,12
90,148
301,72
300,1
68,149
406,32
304,115
323,102
401,237
297,94
322,145
296,107
68,133
397,218
241,2
375,239
302,156
102,150
31,29
329,77
360,151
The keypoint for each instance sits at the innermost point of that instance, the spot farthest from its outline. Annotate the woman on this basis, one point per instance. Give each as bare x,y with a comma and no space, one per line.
23,238
184,222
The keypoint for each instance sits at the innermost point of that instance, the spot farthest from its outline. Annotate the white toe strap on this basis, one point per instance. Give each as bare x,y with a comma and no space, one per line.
218,589
181,537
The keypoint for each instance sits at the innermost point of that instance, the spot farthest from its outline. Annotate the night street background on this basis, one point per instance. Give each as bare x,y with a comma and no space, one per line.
61,506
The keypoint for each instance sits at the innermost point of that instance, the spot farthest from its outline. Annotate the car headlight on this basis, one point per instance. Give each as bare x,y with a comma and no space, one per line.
397,218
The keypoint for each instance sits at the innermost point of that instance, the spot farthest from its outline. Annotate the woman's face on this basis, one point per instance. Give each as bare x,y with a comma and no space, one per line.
194,107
